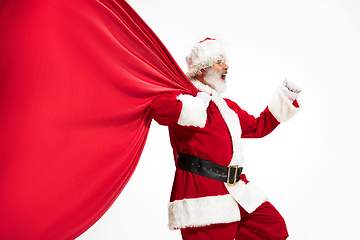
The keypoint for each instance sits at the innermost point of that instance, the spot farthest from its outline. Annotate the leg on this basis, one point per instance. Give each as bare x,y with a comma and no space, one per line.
264,223
213,232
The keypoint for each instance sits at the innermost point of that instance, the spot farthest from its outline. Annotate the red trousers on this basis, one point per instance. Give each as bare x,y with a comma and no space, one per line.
264,223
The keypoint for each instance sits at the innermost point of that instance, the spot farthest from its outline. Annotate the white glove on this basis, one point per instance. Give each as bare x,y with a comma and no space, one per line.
204,97
291,90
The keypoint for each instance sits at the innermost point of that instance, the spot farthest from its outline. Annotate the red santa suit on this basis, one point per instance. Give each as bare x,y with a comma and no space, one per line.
214,133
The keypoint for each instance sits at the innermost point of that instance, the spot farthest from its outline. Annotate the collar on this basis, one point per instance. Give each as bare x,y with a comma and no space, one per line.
204,88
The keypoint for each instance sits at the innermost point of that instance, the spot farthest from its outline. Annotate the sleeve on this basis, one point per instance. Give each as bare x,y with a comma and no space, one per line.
259,127
185,110
280,109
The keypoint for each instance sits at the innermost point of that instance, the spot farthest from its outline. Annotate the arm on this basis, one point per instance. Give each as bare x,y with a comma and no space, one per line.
186,110
281,108
259,127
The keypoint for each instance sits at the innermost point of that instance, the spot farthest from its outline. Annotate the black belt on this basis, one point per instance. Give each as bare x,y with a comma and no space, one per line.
209,169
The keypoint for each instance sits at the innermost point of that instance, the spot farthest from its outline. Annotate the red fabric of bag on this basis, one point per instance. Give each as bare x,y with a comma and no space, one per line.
76,82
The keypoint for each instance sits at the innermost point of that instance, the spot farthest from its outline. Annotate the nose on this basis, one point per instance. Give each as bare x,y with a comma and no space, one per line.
226,67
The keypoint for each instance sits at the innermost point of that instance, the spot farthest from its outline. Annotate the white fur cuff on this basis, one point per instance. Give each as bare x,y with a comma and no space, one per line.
193,112
282,107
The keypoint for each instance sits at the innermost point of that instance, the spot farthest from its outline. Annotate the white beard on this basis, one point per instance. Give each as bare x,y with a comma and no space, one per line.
214,80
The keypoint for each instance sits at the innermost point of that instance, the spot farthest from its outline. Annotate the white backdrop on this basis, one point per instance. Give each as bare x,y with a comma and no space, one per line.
309,165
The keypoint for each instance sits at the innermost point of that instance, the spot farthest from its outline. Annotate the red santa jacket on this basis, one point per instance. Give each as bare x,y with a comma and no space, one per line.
214,133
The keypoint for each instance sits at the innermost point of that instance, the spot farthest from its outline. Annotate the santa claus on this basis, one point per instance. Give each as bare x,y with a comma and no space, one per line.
211,198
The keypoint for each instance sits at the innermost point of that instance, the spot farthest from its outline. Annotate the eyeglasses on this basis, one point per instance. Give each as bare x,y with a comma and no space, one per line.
221,61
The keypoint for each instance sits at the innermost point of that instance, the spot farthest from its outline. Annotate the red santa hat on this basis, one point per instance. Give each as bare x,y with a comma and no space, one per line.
203,55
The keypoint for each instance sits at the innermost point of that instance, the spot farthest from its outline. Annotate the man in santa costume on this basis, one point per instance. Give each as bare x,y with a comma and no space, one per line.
210,198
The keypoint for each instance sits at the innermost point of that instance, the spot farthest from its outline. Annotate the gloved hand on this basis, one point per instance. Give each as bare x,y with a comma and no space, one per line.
291,90
204,97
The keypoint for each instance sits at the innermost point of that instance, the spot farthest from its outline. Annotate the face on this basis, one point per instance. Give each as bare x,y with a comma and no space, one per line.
221,67
215,76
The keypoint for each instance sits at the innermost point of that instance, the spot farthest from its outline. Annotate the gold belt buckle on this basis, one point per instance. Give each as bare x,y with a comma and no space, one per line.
228,177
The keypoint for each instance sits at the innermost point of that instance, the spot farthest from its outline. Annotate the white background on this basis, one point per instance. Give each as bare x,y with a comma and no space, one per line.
309,165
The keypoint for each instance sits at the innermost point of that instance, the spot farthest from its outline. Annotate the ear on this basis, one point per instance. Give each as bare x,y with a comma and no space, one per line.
200,77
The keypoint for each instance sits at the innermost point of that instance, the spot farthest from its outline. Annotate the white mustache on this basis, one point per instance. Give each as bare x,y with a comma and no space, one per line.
223,74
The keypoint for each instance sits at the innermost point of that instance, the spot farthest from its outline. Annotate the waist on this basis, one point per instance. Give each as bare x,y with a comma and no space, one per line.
230,175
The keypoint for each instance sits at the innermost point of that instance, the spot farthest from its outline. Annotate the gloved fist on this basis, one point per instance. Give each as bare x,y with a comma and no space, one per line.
204,97
291,90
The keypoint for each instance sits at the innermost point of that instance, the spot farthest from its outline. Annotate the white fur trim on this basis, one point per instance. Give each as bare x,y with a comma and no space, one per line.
231,119
202,87
233,123
281,106
198,212
249,196
203,211
193,112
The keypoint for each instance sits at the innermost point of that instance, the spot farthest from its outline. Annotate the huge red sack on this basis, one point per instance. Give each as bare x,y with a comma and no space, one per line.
76,82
